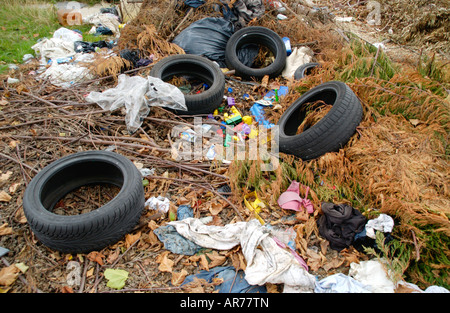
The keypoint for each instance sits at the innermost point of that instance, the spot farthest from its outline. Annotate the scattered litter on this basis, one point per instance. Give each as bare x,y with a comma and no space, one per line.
67,35
372,274
299,56
137,94
339,224
344,19
266,260
53,48
290,199
383,223
12,81
340,283
65,75
207,37
160,204
88,47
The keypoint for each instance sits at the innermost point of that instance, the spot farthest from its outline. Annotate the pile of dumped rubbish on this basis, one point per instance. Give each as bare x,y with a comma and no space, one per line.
202,76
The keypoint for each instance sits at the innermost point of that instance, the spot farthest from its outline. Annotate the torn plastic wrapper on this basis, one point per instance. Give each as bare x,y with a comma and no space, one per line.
138,94
252,203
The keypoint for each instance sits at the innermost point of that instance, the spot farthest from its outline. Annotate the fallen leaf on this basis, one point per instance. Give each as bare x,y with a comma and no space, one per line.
13,188
204,262
96,256
22,267
13,144
5,230
178,278
116,278
216,207
4,101
113,256
415,122
130,239
216,259
67,289
165,264
8,275
5,176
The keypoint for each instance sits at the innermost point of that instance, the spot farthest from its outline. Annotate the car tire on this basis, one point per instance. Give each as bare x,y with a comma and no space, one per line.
95,229
201,68
304,70
255,35
331,132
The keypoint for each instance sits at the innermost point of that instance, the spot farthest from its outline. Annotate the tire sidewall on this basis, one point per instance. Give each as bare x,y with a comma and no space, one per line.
38,216
241,37
213,95
301,144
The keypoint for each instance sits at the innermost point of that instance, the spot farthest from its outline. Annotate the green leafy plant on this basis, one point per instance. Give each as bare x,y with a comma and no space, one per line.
395,254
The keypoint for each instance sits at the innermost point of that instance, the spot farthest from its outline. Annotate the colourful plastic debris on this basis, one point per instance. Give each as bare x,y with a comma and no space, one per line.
255,205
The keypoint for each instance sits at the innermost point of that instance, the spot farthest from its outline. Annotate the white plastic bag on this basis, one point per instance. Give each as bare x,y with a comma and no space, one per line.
159,203
340,283
67,35
137,94
64,75
299,56
54,48
373,274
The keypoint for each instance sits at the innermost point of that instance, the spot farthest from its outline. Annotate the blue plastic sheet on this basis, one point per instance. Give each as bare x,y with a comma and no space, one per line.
232,282
172,240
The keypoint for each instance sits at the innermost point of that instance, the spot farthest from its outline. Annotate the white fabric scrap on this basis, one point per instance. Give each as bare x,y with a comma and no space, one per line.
340,283
64,75
210,236
159,203
266,261
373,274
299,56
383,223
53,48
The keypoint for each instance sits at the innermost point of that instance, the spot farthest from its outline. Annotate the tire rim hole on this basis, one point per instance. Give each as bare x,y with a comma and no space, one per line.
299,122
255,55
315,111
85,199
189,85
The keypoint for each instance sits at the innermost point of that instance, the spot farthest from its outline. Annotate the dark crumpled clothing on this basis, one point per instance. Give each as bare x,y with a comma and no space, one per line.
87,47
243,11
339,224
232,282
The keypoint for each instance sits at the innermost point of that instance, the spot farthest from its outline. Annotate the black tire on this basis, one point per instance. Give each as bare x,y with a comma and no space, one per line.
255,35
200,68
331,132
98,228
304,70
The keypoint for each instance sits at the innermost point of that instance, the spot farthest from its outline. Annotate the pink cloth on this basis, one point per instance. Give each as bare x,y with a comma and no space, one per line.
290,199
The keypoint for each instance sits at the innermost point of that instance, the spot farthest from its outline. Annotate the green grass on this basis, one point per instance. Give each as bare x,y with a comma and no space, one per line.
24,22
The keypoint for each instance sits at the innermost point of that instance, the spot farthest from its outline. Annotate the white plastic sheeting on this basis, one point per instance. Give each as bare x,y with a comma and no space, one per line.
137,94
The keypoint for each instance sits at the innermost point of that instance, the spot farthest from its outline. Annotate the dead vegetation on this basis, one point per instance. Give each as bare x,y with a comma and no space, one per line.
396,163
